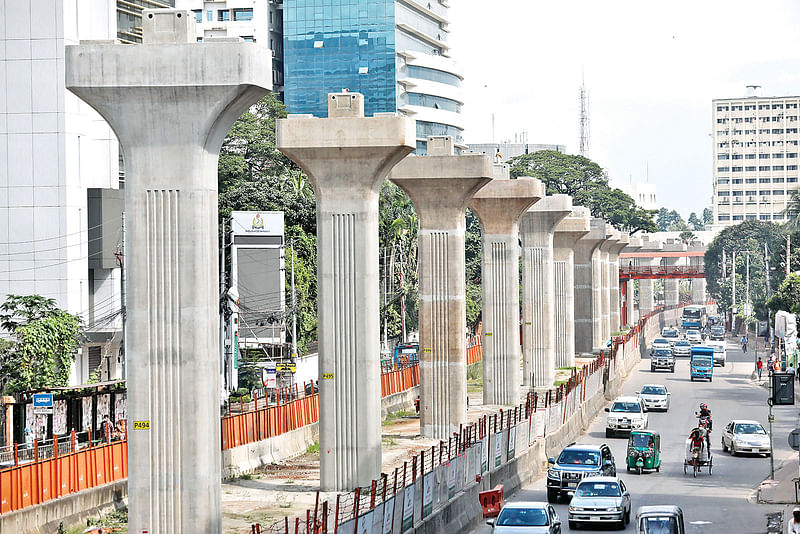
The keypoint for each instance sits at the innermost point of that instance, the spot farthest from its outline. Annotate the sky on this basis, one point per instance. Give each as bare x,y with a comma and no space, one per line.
651,70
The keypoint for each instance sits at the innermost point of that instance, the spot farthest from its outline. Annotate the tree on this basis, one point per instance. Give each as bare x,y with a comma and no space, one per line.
687,236
787,298
44,340
587,184
695,223
793,211
708,217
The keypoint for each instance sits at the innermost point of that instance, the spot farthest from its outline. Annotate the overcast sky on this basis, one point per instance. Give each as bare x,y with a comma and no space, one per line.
651,69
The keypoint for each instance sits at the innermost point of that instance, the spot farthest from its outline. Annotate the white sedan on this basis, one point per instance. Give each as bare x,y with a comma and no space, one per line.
743,436
694,337
660,343
654,396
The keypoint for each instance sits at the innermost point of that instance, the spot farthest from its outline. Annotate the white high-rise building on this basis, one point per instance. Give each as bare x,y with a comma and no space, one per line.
755,153
643,194
54,149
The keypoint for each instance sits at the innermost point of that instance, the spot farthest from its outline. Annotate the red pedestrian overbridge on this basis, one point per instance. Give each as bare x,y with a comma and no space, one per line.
660,272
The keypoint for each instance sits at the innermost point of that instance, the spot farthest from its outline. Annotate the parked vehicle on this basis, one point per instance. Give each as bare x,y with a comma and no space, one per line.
682,348
600,500
654,396
659,520
626,414
660,343
717,333
694,337
670,334
526,518
720,352
574,464
702,363
405,353
662,359
644,451
745,437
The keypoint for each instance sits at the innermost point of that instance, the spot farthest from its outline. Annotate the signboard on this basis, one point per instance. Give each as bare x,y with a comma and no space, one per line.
451,478
270,375
286,368
388,516
42,411
408,508
512,442
498,449
782,389
257,223
427,494
794,439
365,523
485,454
43,400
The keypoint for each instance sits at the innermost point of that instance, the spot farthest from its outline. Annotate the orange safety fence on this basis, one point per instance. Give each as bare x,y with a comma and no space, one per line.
398,380
28,484
474,352
270,421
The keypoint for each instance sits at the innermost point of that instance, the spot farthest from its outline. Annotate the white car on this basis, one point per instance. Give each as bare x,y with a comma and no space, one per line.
526,518
694,337
660,343
670,334
744,436
626,414
600,500
654,396
720,352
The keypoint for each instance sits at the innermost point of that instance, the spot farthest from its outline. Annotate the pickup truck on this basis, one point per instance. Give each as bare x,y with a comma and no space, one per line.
662,359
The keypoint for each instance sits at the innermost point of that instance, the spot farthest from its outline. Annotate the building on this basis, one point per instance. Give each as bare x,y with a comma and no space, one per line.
643,194
258,21
394,52
129,17
57,157
505,150
755,157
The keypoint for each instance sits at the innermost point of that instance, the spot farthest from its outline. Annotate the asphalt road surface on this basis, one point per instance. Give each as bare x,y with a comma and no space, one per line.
722,502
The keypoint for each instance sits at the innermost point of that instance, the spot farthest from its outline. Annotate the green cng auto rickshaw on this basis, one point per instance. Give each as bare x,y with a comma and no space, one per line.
644,451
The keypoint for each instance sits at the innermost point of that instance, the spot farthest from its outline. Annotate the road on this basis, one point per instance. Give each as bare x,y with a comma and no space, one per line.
711,504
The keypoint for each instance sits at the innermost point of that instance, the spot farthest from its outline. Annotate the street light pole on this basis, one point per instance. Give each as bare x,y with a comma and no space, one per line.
733,305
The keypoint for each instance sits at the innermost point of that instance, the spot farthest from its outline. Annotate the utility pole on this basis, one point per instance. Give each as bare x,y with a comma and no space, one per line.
733,305
294,305
788,253
223,305
121,261
769,293
385,277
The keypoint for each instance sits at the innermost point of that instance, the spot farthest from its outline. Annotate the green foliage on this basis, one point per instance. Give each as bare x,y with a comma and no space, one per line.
695,223
687,236
749,236
43,346
472,256
670,221
708,216
787,298
313,448
793,211
587,184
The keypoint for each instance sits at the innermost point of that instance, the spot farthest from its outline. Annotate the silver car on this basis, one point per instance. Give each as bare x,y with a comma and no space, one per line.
600,500
660,343
526,518
694,337
655,396
743,436
682,348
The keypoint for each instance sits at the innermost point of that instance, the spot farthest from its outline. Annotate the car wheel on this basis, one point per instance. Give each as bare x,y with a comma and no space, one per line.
724,447
652,369
628,517
672,369
628,468
710,378
552,496
609,433
733,449
692,379
723,364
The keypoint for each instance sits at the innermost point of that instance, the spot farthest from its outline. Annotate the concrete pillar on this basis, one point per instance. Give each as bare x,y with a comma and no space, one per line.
347,156
698,284
631,314
613,237
615,315
646,290
441,185
568,232
171,101
588,285
672,285
499,206
537,227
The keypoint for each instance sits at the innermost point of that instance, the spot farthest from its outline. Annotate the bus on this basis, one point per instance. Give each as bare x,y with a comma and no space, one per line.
694,317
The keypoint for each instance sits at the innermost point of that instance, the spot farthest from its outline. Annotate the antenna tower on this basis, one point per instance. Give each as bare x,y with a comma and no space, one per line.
584,120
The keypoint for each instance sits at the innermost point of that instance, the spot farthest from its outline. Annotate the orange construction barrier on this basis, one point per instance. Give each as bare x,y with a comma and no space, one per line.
492,501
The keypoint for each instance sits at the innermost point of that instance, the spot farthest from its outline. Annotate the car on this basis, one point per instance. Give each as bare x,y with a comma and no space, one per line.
626,414
526,517
575,463
682,348
662,519
717,333
600,500
694,337
720,353
742,436
655,396
662,359
670,334
660,343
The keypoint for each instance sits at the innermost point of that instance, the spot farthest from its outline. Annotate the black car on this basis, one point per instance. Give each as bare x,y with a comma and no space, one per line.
574,464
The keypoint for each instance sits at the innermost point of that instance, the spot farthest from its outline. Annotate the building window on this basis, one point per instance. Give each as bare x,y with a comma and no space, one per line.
198,15
763,193
737,180
763,156
209,15
722,108
223,15
722,156
791,167
723,193
750,181
750,217
777,156
791,130
751,193
749,156
433,75
777,106
791,180
764,168
436,102
777,167
791,155
248,38
424,129
738,217
777,192
723,181
724,218
777,180
764,217
736,169
736,156
738,193
777,131
750,169
243,14
199,39
723,169
763,180
777,217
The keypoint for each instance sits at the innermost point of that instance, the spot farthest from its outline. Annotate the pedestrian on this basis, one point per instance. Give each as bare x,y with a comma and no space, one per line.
105,429
790,369
744,343
759,367
793,525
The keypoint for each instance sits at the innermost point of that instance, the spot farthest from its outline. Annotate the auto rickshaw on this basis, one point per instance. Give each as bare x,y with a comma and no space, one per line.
644,451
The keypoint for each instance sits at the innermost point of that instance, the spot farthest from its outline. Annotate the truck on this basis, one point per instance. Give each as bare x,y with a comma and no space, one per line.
701,364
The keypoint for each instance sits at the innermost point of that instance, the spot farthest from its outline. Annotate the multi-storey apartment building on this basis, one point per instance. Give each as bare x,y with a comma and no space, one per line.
395,52
756,146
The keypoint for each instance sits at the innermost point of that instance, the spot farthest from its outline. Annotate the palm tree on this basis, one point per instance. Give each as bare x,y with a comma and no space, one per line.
792,211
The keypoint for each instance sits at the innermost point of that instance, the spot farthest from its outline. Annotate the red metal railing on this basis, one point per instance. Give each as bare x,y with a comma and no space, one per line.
659,272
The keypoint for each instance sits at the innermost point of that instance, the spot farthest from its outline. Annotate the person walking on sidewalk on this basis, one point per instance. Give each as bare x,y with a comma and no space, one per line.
759,367
793,525
744,343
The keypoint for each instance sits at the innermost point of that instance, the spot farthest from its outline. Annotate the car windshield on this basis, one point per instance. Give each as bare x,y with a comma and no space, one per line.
628,407
662,352
692,333
719,348
522,517
654,390
683,343
658,525
598,489
670,333
641,440
701,361
579,457
749,428
661,341
717,330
